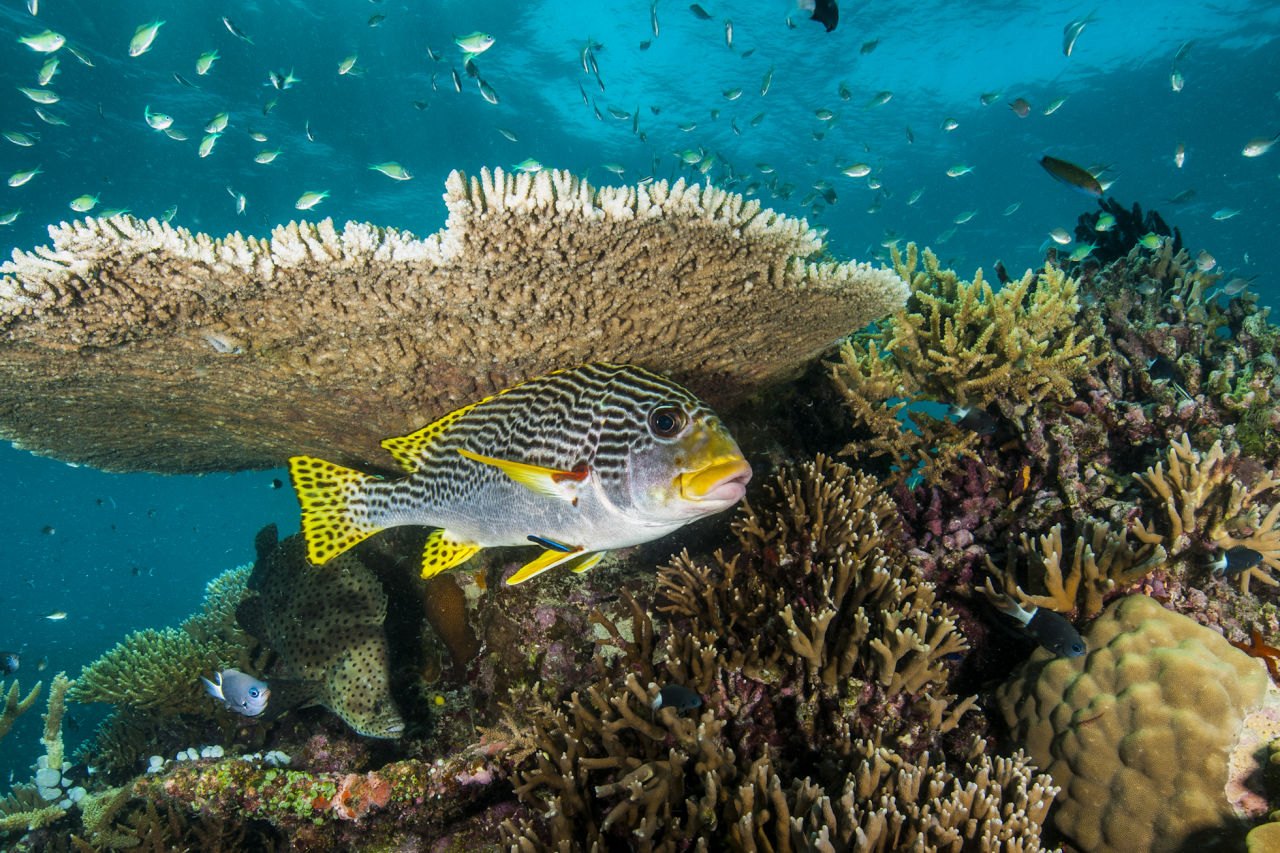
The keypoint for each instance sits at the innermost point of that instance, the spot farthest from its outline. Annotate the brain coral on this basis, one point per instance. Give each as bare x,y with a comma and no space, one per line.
1139,732
132,345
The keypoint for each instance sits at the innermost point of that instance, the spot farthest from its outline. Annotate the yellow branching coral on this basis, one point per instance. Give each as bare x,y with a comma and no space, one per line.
965,343
177,352
1099,562
1202,501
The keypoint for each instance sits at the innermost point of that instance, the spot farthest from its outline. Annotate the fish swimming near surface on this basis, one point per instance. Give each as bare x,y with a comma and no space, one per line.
1079,179
239,691
825,12
1050,629
580,461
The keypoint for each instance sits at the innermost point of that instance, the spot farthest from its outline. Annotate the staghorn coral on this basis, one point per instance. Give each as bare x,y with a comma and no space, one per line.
175,352
15,704
30,806
1202,503
964,343
821,587
160,670
1139,732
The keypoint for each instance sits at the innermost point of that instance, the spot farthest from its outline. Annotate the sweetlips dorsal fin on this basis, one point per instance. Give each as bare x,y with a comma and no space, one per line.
410,449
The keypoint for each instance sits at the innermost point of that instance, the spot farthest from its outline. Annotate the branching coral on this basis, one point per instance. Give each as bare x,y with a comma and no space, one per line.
161,670
1202,503
15,704
820,657
826,592
1100,563
964,343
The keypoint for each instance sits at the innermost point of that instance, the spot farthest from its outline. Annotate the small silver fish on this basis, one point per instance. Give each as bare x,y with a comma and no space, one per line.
239,692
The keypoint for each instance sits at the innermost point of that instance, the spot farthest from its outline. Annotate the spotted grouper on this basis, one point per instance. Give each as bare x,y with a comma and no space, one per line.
326,626
578,462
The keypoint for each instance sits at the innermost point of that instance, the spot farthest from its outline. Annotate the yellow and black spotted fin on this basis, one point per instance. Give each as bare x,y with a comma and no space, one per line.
442,552
551,482
325,491
551,559
409,450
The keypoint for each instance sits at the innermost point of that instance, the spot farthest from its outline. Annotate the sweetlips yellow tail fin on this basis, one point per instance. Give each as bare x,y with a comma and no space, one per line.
326,492
442,552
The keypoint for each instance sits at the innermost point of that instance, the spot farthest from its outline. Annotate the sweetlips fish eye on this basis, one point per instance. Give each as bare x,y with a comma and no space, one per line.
667,421
253,693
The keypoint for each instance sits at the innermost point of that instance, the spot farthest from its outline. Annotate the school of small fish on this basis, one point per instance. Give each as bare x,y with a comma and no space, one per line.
837,169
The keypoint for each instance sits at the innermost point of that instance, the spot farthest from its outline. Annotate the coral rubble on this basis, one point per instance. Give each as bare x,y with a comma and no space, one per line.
176,352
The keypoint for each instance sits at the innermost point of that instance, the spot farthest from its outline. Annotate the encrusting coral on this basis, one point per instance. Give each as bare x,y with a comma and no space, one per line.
132,345
1139,732
819,657
962,343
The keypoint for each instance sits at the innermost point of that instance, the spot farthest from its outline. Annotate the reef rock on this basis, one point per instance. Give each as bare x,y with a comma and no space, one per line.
326,624
131,345
1140,732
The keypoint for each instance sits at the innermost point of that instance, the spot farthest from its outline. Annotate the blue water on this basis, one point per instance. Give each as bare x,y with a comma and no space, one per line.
132,551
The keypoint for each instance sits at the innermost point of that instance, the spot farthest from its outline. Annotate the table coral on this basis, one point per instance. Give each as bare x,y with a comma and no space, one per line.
1138,733
176,352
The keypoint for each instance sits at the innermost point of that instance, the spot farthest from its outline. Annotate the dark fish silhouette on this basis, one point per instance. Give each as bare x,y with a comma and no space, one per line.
1080,180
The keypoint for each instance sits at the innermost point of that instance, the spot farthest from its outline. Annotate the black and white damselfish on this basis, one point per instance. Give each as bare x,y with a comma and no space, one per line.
580,462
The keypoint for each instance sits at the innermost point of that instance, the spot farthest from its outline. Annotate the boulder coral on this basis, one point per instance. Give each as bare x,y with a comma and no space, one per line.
1140,732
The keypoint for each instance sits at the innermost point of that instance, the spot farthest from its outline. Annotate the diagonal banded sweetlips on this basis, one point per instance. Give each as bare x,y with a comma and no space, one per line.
579,462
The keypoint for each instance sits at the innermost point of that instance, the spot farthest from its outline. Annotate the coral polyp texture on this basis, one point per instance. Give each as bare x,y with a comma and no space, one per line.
132,345
1140,732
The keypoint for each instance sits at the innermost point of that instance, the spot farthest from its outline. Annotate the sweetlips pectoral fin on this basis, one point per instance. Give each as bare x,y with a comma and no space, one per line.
548,560
325,492
442,552
545,481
